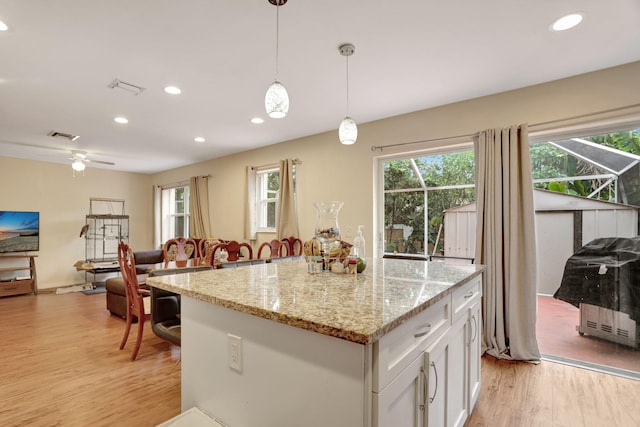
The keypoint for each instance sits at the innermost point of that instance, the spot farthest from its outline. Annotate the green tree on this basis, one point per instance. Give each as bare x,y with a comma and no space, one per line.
402,208
628,141
407,208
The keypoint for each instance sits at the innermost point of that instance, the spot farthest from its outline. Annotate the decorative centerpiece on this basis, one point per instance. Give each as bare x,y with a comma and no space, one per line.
327,229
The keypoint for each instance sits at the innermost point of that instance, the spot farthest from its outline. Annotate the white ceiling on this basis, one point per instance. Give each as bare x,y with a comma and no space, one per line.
59,56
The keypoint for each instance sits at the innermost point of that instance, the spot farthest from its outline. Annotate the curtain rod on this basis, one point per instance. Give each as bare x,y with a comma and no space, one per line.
471,135
296,161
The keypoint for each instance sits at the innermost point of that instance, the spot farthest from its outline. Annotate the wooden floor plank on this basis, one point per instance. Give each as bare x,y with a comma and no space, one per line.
61,366
519,394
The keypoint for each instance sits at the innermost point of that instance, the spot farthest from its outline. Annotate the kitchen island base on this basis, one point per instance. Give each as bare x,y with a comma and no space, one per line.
289,376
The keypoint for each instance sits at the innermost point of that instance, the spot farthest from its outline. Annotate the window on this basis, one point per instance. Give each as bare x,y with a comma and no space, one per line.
417,191
175,212
267,186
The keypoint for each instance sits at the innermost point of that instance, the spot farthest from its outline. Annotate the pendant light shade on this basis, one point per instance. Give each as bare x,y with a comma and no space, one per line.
348,130
276,100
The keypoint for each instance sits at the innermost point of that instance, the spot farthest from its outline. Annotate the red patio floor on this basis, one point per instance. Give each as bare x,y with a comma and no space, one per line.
557,336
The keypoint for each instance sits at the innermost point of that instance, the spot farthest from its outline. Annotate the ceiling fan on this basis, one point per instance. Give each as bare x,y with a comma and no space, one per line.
80,159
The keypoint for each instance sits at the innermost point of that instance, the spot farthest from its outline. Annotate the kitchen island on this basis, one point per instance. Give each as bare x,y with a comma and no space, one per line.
272,345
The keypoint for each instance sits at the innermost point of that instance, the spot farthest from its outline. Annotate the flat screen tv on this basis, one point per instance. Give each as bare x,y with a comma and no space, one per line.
19,231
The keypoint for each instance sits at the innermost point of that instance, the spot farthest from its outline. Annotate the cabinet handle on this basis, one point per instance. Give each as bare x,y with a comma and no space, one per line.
435,371
426,329
469,295
475,331
425,382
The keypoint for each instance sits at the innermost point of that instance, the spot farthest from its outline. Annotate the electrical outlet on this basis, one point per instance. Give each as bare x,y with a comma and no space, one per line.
234,352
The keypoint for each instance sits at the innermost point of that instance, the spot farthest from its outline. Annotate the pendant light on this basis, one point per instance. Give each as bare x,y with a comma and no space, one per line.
276,101
348,130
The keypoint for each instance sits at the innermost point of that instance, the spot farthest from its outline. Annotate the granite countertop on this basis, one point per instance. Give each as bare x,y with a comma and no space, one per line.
359,308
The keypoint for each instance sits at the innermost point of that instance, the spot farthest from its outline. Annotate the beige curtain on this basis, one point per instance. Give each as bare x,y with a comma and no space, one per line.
157,216
505,242
287,213
199,222
250,206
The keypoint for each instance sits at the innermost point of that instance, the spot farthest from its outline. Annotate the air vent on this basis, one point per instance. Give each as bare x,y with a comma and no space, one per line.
127,87
68,136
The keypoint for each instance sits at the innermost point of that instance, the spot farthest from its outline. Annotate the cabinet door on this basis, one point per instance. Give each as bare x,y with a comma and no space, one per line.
475,349
457,369
400,404
435,364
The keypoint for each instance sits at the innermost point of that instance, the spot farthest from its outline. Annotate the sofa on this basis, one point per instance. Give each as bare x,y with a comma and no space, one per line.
116,297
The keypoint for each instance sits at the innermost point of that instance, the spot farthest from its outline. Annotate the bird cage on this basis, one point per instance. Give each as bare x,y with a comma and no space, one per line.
105,230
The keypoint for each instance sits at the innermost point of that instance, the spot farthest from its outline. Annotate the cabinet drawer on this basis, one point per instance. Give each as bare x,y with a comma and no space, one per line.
15,287
395,350
465,296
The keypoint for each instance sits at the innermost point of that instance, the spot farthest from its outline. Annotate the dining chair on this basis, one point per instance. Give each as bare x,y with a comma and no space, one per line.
171,249
137,304
294,245
206,247
276,248
234,249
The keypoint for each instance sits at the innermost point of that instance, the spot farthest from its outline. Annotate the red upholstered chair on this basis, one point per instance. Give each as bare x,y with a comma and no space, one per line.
170,249
294,245
136,300
276,249
234,249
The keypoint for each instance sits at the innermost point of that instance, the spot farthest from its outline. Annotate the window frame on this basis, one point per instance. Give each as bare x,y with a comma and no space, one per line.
263,200
380,191
168,211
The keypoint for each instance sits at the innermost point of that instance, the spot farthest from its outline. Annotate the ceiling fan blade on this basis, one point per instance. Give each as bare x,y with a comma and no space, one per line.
99,161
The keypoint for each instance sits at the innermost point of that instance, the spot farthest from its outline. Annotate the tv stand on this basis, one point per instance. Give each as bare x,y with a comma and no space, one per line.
19,285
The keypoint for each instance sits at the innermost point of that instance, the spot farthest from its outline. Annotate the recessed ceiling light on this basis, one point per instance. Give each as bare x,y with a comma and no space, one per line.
173,90
567,22
257,120
3,26
199,139
121,120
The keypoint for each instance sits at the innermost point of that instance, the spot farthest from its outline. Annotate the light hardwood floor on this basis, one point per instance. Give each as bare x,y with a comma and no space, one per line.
554,395
60,366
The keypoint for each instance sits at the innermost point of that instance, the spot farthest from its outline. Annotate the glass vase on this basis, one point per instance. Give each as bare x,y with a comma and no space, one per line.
327,229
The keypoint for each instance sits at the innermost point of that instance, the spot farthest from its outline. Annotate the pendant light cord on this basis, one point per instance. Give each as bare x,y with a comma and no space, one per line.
347,85
277,33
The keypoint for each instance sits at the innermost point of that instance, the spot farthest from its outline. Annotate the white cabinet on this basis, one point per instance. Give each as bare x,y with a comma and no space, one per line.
457,374
467,318
435,364
401,403
427,371
475,351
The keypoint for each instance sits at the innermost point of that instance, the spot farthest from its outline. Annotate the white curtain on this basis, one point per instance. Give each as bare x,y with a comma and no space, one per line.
250,207
199,221
505,242
287,213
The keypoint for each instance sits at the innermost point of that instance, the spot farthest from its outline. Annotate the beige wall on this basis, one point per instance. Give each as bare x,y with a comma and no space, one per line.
63,202
329,171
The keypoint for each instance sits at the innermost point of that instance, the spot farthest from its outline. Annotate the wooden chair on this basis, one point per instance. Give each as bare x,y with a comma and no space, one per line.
276,248
135,296
206,248
234,249
294,245
170,249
